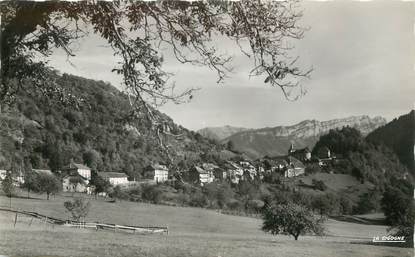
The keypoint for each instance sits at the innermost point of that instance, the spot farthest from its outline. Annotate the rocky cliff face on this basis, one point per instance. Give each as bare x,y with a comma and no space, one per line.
310,128
276,140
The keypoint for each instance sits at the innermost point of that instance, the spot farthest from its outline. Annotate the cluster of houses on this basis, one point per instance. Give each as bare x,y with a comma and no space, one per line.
291,165
77,177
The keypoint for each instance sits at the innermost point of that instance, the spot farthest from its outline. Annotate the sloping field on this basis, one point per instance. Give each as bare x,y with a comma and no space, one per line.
339,183
192,232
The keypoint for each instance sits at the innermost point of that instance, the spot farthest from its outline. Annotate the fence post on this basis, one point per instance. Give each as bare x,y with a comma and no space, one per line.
15,220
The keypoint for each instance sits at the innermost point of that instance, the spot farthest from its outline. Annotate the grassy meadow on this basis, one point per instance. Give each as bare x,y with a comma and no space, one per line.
192,232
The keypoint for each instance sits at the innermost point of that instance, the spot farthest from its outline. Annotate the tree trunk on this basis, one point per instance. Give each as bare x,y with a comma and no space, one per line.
47,196
296,237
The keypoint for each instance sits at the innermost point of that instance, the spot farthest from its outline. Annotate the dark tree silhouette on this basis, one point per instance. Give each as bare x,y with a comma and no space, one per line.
8,187
78,208
264,31
99,184
48,184
291,219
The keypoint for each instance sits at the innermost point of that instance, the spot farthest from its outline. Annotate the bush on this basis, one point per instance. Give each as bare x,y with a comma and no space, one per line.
198,199
368,202
152,193
346,206
183,199
78,208
312,169
319,185
135,194
234,204
118,193
7,185
399,208
255,205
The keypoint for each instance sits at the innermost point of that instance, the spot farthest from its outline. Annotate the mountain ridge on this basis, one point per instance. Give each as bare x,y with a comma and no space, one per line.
276,140
220,132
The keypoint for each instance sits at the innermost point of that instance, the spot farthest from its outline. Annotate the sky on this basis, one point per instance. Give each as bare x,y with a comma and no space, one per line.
362,54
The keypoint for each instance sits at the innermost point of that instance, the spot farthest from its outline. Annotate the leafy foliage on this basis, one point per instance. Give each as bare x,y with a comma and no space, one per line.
319,185
398,135
341,141
135,30
292,219
31,182
399,208
99,184
7,185
44,134
78,208
364,160
48,184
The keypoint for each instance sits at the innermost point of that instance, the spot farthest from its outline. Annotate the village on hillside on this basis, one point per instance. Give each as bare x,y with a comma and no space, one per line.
207,128
76,177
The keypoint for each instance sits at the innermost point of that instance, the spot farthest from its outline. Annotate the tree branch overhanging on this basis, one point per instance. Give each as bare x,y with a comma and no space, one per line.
137,30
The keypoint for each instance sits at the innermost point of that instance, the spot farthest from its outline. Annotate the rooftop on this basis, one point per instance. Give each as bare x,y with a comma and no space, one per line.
159,167
42,171
112,175
76,166
200,170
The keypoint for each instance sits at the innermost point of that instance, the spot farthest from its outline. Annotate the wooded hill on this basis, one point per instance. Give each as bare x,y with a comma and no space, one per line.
398,135
102,132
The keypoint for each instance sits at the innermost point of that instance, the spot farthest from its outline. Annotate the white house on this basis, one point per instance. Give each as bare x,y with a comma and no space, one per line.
248,168
115,178
157,172
234,172
75,168
3,174
75,183
294,168
201,176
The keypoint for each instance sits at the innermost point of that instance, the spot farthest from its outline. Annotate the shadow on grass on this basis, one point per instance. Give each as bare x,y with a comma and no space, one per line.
359,220
30,197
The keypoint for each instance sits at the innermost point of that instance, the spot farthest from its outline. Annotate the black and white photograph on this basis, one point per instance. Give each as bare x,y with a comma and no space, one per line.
210,128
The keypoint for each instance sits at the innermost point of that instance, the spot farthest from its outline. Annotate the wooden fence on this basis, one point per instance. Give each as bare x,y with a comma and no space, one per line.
94,225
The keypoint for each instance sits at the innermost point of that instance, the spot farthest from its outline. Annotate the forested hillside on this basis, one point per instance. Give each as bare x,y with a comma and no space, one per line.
363,159
102,132
398,135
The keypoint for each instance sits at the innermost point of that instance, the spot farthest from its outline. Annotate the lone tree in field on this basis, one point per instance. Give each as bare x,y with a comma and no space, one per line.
264,31
291,219
8,187
31,183
48,184
78,208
